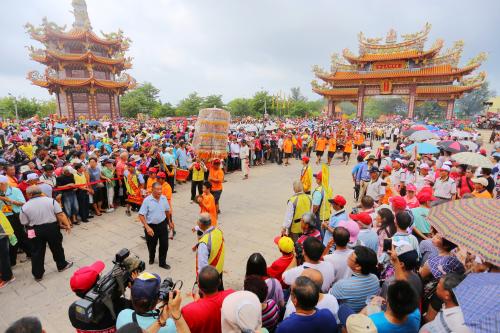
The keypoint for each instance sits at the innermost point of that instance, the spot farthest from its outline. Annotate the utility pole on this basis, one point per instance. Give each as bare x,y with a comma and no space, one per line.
15,106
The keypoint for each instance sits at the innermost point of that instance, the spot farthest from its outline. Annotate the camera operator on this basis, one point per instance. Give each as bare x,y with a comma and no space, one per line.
86,278
145,296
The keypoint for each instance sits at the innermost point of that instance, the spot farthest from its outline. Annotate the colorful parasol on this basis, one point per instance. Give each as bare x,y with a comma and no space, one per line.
460,134
418,127
471,223
473,159
409,132
423,148
422,136
472,146
479,301
452,146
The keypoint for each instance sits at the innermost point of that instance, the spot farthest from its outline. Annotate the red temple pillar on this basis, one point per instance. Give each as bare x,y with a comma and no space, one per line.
411,102
449,109
331,108
361,103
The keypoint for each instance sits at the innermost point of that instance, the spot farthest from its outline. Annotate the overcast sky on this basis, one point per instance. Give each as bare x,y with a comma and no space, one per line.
235,48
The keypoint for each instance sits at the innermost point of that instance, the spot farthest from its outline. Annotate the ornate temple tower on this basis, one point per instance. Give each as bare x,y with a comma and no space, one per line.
403,68
83,70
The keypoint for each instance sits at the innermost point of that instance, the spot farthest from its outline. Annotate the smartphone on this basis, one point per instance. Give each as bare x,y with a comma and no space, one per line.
387,245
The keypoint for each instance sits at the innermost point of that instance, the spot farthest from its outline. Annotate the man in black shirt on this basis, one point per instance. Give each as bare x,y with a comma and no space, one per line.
68,194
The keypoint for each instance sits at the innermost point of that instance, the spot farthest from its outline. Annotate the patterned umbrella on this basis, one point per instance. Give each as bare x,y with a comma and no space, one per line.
473,159
479,300
418,127
453,146
471,223
422,136
423,148
472,146
409,132
460,134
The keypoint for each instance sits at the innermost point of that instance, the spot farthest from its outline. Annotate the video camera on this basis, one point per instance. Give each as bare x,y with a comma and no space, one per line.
109,288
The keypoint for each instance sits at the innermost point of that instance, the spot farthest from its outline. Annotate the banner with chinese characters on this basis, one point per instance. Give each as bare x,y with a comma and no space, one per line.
389,65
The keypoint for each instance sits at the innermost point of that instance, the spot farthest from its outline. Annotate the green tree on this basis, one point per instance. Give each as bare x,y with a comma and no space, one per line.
259,102
430,110
164,110
190,105
47,108
472,103
240,107
143,99
212,101
348,108
374,107
296,95
26,108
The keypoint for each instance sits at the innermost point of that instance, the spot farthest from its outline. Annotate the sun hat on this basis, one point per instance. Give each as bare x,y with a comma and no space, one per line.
285,244
480,180
84,278
339,200
353,229
398,202
241,311
146,286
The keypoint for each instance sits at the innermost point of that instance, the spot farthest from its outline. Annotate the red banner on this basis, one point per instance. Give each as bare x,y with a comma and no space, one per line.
384,66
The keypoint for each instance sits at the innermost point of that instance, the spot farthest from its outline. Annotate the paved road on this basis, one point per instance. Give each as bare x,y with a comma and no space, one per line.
252,213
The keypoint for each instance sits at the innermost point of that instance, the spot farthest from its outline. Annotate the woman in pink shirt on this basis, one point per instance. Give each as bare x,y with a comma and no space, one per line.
410,197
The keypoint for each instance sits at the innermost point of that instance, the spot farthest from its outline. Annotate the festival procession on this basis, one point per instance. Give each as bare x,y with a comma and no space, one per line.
223,222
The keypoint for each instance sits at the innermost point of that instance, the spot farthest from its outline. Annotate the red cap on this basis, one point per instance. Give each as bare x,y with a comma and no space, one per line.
84,278
425,196
388,168
153,170
216,161
161,174
482,151
398,202
318,175
339,200
364,218
60,153
305,159
131,164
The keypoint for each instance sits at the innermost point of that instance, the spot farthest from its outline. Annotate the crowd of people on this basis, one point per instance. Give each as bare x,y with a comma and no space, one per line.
380,268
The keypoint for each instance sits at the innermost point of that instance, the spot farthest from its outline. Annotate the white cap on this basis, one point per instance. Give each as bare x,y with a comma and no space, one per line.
424,166
448,163
481,180
445,167
3,179
398,160
31,176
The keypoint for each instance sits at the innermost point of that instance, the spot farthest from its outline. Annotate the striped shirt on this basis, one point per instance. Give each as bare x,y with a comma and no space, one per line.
270,315
354,290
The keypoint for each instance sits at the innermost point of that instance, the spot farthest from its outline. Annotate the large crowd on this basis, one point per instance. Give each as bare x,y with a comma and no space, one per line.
382,267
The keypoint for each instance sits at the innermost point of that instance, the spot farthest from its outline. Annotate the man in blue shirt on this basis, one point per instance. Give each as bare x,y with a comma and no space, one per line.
362,177
354,172
153,216
307,318
402,314
354,291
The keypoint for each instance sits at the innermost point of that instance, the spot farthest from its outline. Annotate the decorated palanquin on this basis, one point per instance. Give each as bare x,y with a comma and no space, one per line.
211,133
84,71
392,67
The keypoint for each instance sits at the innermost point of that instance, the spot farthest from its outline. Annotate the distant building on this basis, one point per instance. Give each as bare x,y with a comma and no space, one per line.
403,68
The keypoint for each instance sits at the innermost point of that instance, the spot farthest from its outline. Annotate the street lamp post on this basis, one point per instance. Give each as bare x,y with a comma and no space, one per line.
15,106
